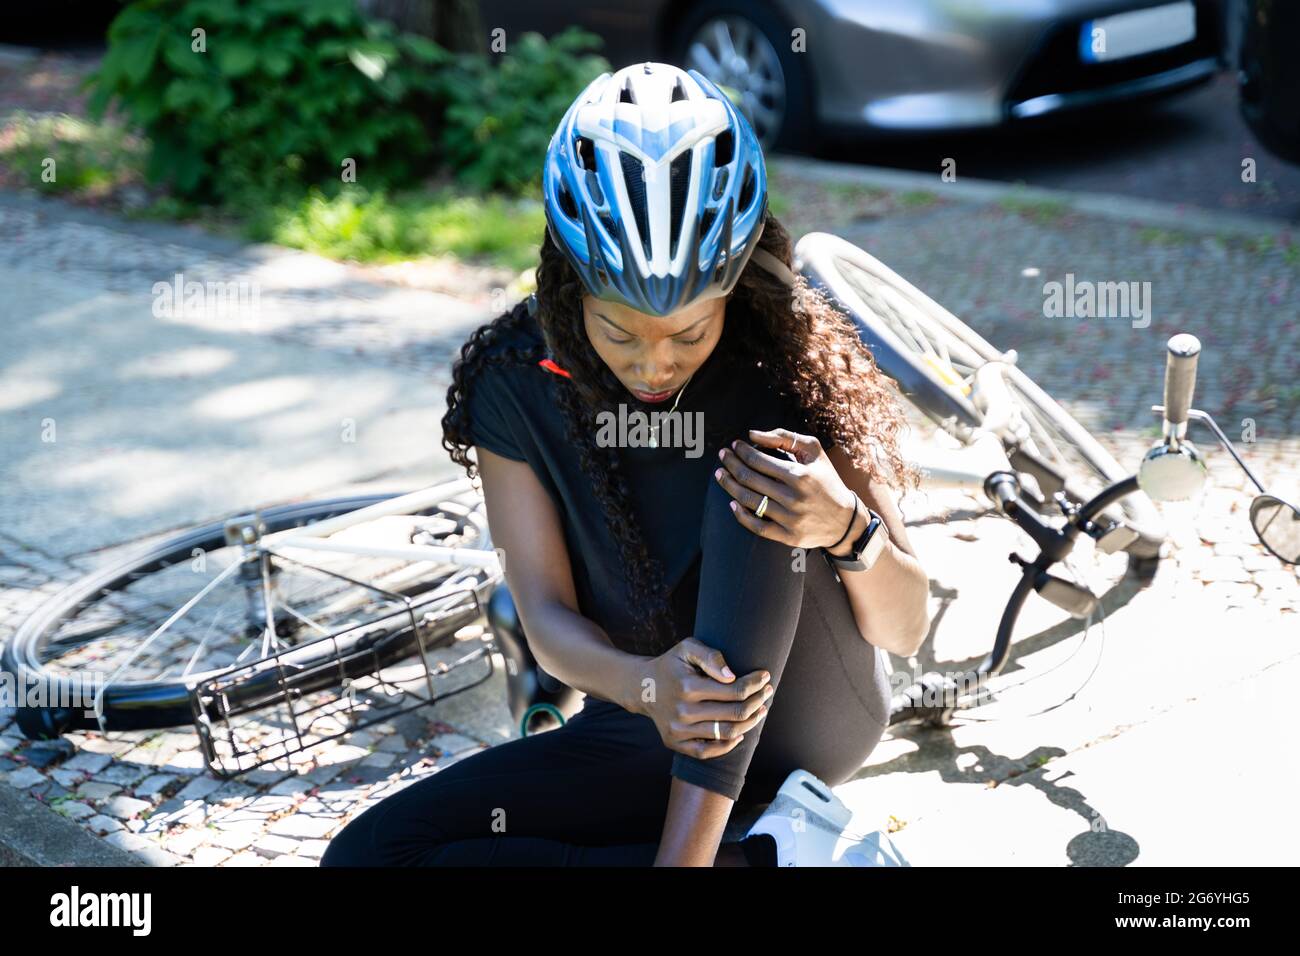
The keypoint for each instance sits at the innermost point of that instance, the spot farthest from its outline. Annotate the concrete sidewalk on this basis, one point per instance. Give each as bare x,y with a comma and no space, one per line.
336,382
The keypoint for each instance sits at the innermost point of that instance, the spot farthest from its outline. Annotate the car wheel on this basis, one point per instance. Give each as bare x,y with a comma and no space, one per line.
745,49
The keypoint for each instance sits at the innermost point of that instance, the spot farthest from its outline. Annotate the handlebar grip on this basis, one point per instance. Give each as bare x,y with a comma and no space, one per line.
1180,377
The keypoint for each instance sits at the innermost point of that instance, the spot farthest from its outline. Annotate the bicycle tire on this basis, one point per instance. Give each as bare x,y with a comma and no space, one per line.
923,385
155,705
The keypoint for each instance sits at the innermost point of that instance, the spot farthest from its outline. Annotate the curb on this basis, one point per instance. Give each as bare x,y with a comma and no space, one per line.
1103,205
190,236
32,834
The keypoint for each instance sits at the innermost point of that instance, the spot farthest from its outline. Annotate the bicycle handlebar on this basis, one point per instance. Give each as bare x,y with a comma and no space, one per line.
1180,380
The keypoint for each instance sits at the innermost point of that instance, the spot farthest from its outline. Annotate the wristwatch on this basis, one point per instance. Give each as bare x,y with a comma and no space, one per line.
866,549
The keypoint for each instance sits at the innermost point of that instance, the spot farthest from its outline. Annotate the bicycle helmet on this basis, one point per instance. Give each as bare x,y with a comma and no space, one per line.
655,188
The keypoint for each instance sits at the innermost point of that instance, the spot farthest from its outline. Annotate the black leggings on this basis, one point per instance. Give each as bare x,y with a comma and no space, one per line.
594,792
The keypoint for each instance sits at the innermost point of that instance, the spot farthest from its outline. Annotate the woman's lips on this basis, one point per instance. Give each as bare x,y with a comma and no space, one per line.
653,397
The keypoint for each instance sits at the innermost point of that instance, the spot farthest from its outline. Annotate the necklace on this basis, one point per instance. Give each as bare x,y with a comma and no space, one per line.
654,429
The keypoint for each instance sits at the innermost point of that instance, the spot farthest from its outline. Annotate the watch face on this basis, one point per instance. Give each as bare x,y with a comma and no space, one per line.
874,546
869,534
867,547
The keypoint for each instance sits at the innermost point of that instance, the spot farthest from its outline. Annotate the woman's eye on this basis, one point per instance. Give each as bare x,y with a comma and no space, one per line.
695,341
618,341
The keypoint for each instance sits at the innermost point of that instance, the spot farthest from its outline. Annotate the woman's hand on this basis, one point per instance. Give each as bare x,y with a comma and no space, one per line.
808,506
691,689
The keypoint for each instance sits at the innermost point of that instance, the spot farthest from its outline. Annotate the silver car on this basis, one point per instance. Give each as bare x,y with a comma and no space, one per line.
801,68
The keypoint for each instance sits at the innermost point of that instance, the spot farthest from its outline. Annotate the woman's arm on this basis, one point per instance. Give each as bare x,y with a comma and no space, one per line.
890,600
569,646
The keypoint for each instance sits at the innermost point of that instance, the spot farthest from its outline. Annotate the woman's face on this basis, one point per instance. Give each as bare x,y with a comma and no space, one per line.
653,355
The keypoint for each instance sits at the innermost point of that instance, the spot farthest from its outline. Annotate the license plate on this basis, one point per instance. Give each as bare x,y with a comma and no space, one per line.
1139,31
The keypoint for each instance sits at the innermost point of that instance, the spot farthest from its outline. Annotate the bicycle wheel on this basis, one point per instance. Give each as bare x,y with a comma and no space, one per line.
354,610
934,357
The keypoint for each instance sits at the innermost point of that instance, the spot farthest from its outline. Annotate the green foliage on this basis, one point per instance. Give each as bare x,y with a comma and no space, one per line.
374,227
271,95
1045,212
917,199
89,158
252,118
500,115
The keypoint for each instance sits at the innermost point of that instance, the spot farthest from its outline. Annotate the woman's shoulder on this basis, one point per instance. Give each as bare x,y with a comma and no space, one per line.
508,347
501,385
779,401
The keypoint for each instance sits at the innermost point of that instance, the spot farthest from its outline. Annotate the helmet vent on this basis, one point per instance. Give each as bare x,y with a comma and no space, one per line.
679,91
746,190
679,176
593,187
567,205
586,151
625,95
724,148
634,177
706,221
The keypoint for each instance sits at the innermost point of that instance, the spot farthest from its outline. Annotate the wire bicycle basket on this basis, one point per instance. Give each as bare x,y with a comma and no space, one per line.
281,706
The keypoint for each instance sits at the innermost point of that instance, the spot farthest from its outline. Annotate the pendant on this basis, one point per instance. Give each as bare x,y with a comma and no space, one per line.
654,436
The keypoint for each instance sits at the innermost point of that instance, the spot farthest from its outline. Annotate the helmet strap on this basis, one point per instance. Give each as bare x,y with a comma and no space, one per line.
773,265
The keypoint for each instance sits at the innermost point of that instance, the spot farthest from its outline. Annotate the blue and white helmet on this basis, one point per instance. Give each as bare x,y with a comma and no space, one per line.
655,188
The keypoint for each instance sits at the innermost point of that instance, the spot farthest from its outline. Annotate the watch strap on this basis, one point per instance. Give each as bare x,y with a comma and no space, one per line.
867,547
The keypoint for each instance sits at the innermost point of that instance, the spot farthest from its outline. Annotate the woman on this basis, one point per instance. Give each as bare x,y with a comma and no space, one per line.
691,573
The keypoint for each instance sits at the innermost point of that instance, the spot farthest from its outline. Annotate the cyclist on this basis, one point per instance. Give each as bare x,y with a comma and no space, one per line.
685,572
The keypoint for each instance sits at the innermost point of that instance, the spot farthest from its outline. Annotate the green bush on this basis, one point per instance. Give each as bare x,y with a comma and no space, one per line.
272,96
500,115
374,227
90,158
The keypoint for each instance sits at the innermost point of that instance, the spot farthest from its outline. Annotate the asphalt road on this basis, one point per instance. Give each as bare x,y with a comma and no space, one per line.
1187,149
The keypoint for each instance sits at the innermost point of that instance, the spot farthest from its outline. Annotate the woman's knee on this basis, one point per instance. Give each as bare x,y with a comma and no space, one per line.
722,532
352,846
383,834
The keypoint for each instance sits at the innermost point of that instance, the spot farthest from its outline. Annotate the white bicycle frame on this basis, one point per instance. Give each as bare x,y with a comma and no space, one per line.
981,451
309,538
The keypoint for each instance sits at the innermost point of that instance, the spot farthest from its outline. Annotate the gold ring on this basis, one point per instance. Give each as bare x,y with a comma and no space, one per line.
762,508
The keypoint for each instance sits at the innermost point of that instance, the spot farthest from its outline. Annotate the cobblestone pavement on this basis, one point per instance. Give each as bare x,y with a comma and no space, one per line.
148,792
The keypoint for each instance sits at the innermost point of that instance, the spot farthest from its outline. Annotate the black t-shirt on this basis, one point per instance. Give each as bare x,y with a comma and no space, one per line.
513,412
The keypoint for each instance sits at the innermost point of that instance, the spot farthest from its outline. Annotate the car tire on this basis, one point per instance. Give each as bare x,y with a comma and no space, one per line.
797,128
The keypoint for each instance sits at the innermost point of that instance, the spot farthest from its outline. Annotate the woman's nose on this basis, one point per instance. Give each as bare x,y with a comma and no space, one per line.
658,381
657,373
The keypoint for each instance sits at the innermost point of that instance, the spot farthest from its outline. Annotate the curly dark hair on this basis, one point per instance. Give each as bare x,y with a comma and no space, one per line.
808,349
